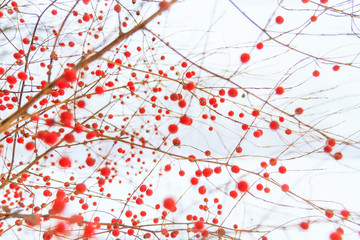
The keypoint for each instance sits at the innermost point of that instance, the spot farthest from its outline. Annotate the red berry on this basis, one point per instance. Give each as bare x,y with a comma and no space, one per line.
173,128
128,214
282,169
232,92
207,172
99,90
11,79
115,232
194,181
259,46
299,111
174,97
257,134
235,169
340,230
164,5
30,146
170,204
127,54
186,120
233,194
331,142
105,172
338,156
279,19
176,142
202,190
69,75
274,125
329,213
80,188
279,90
69,138
245,57
255,113
22,76
117,8
78,128
86,17
50,137
327,149
58,205
90,161
190,86
304,225
285,188
273,161
335,236
316,73
199,225
182,103
65,162
66,118
188,75
243,186
48,235
345,213
167,168
33,219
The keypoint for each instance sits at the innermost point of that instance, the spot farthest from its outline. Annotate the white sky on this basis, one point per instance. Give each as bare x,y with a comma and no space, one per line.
213,34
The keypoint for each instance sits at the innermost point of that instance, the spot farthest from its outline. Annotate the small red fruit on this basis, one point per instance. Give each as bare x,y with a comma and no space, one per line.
274,125
65,162
243,186
232,92
245,57
164,5
170,204
173,128
80,188
279,20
